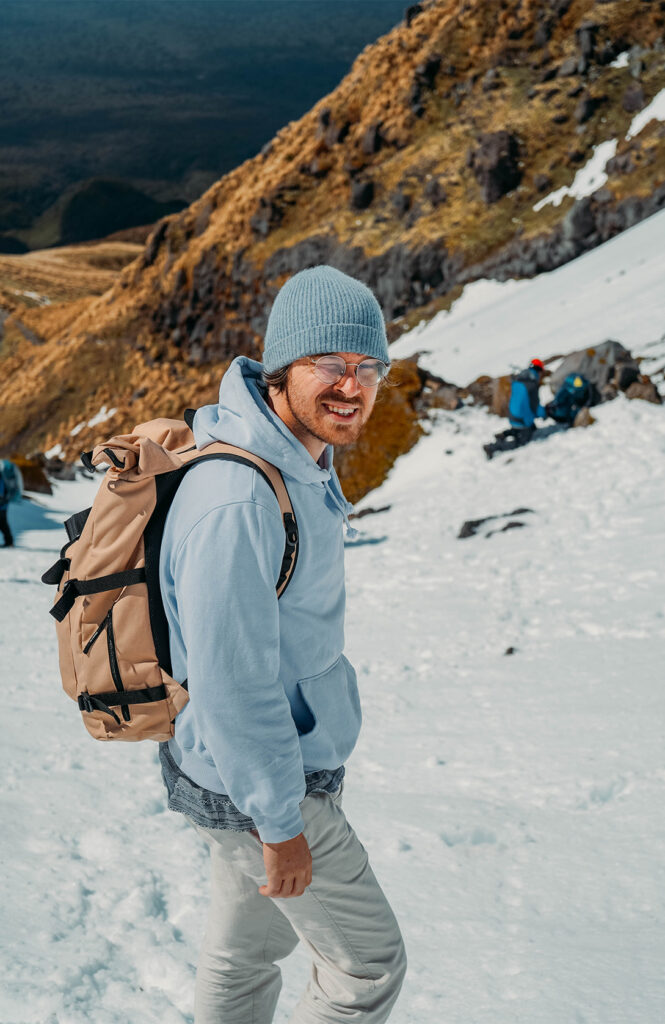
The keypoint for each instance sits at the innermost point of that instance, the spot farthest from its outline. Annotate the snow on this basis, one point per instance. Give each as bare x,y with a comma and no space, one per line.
102,415
592,176
589,178
614,291
511,804
622,61
654,111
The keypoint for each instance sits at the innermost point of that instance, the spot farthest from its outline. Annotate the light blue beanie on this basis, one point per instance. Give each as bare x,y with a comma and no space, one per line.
323,310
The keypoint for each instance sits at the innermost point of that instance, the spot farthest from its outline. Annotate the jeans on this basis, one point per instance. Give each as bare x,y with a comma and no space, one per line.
343,918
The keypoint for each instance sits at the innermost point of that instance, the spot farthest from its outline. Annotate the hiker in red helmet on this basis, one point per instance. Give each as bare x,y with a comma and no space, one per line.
523,410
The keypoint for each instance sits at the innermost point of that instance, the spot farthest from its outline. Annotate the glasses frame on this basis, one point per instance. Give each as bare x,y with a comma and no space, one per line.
331,355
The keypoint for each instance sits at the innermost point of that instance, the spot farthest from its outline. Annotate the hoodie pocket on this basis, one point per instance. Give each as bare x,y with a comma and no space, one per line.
332,698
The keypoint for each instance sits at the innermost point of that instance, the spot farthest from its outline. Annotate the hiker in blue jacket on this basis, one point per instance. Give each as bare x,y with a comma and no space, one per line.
257,759
523,410
11,488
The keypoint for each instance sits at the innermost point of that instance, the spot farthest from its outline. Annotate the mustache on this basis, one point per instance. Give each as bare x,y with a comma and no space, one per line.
334,400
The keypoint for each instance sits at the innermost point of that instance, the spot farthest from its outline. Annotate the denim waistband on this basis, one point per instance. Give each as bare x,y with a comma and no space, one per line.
216,810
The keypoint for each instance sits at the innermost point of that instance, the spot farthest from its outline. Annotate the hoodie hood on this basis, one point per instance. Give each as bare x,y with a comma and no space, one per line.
243,417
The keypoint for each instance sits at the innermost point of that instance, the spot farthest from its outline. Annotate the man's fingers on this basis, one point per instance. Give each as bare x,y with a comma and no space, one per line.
287,888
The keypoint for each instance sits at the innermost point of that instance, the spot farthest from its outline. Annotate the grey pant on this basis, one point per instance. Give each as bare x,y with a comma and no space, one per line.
343,918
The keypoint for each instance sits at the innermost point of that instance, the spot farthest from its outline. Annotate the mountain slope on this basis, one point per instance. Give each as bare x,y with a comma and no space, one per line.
419,173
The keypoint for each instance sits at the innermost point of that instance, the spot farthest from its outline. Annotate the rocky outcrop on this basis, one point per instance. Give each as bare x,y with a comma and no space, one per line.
495,165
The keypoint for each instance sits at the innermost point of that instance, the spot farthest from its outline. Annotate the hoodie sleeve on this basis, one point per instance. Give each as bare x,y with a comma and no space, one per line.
225,572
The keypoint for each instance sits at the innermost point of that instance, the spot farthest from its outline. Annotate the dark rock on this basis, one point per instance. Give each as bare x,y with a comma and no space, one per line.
58,469
623,163
372,140
569,67
586,38
587,107
324,120
362,194
401,202
510,650
411,13
605,366
369,512
434,192
336,133
423,82
495,165
318,168
633,98
491,80
427,71
542,182
635,62
154,243
560,7
579,221
471,526
575,91
547,74
543,34
645,389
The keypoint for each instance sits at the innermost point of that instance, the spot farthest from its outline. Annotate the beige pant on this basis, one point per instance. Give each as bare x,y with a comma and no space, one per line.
343,918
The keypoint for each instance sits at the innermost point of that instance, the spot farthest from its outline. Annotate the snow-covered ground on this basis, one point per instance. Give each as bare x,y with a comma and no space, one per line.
511,803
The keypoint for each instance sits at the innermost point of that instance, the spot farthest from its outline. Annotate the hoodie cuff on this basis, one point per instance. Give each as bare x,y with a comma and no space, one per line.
273,830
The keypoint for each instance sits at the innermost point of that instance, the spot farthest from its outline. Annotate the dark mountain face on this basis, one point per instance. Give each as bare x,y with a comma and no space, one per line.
162,95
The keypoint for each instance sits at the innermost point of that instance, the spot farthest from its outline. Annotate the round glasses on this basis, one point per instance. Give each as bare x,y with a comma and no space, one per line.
331,369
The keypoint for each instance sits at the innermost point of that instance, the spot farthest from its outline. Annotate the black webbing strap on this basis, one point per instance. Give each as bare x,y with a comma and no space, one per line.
290,550
106,701
76,588
53,575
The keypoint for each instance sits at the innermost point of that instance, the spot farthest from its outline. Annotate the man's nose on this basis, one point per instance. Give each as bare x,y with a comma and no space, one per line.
349,382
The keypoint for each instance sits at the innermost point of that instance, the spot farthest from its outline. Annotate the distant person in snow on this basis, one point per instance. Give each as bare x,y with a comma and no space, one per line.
574,395
257,759
11,489
523,410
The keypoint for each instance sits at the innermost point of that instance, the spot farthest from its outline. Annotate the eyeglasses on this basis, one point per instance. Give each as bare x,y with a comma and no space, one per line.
331,369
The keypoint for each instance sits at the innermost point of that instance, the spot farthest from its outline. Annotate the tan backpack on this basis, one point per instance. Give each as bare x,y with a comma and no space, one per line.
112,630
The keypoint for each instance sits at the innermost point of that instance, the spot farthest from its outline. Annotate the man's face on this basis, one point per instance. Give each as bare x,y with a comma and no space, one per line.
329,413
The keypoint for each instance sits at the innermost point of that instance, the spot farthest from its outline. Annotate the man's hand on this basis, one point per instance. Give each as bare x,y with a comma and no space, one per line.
288,867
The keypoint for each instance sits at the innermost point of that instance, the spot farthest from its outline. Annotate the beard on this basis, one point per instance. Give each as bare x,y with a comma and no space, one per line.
313,417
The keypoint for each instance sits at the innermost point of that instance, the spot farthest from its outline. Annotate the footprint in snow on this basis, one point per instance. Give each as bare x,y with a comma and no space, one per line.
478,836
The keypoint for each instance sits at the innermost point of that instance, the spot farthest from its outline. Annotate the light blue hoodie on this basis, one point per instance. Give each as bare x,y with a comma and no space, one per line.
271,693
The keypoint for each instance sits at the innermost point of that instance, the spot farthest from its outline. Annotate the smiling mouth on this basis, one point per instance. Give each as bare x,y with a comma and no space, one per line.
340,412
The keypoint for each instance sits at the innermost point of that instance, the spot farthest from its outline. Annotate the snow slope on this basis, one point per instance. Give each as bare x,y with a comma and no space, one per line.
511,803
614,291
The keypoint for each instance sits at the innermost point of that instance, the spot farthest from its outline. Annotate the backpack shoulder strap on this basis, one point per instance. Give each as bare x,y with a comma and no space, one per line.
275,480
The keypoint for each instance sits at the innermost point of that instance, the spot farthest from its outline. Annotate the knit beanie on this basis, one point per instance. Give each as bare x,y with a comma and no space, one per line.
323,310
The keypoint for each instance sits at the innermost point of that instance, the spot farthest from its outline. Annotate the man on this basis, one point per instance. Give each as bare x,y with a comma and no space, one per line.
523,409
257,760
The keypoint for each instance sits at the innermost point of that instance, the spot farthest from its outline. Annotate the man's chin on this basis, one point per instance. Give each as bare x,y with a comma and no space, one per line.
340,435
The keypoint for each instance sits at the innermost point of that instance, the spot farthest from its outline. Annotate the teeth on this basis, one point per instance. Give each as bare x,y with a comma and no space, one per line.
341,411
